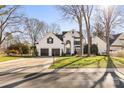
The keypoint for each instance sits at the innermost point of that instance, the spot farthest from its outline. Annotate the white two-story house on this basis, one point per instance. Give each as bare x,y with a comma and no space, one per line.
53,44
68,43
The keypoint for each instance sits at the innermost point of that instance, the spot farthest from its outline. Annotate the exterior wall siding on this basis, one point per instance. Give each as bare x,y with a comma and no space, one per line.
57,43
100,43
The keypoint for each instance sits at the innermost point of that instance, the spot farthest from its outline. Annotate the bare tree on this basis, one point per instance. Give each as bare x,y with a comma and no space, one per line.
99,28
9,22
87,12
34,29
111,17
55,28
74,12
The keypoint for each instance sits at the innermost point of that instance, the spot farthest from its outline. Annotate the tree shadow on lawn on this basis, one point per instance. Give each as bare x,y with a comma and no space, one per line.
57,61
69,63
93,62
117,79
122,62
96,61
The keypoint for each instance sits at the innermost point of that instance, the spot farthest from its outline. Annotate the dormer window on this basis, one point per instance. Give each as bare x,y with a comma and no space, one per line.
50,40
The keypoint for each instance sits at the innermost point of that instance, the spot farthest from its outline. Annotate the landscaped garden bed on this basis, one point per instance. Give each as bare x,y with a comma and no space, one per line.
87,62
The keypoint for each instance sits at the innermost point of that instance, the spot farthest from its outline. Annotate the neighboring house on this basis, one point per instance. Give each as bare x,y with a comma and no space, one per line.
68,43
117,43
100,43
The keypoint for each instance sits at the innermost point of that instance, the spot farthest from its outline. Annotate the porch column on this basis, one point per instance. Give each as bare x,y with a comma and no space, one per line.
39,51
50,52
61,52
72,48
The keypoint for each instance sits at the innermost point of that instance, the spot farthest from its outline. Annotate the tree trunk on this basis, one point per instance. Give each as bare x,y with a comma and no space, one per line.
81,38
89,42
107,43
89,45
87,15
34,46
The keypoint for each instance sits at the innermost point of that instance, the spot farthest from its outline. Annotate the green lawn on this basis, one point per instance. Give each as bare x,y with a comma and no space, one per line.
7,58
88,62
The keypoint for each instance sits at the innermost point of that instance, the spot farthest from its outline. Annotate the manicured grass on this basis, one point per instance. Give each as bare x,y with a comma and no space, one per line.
119,62
88,62
7,58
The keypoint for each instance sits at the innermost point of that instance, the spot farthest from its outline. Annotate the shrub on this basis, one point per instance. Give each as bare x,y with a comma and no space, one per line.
93,49
12,52
21,48
85,49
25,49
34,51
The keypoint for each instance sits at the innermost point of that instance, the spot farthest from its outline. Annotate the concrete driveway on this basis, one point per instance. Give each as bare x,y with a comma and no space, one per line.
34,73
23,65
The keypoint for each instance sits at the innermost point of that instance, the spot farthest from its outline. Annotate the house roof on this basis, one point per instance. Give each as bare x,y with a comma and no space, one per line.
64,32
114,37
59,36
102,38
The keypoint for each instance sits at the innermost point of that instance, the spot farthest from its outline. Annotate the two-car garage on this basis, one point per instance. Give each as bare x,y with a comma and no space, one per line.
55,52
50,45
44,52
50,52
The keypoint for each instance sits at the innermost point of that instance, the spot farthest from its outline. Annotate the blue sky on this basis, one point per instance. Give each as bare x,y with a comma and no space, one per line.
50,14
